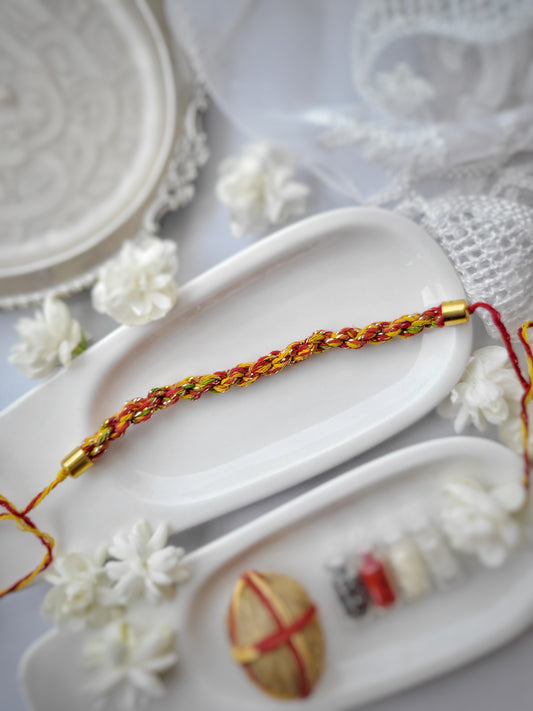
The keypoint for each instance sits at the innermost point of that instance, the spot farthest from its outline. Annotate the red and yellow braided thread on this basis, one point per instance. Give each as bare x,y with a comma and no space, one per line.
25,524
191,388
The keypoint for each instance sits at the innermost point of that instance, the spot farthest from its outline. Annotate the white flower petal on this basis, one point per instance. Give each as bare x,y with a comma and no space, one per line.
51,603
79,585
159,537
159,578
259,188
155,643
74,564
140,537
137,286
492,554
511,497
486,392
147,682
127,660
120,547
48,340
101,555
115,570
162,663
153,592
475,521
129,587
166,558
144,566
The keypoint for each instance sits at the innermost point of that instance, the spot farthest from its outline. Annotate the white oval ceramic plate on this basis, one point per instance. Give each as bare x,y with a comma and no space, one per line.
200,459
365,659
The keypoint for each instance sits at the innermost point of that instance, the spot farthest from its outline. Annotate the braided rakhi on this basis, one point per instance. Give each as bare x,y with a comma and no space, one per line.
192,388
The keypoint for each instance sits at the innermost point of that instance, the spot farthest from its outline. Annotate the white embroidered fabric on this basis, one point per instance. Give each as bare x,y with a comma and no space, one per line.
421,105
489,242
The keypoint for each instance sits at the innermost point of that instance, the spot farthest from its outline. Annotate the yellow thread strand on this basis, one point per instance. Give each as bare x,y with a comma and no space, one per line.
25,526
61,476
245,655
527,398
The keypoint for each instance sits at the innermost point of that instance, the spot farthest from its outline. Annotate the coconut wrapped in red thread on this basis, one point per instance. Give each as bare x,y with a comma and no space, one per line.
276,635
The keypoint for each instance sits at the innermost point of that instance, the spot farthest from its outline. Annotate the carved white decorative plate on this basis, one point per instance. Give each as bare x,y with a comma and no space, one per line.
91,107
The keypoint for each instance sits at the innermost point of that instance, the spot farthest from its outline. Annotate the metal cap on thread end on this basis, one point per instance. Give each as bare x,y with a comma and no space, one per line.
76,462
455,312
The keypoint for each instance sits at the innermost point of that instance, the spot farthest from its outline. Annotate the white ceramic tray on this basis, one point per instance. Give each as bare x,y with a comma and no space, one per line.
197,460
366,659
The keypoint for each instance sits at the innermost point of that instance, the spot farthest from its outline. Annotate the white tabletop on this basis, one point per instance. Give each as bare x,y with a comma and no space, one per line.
501,680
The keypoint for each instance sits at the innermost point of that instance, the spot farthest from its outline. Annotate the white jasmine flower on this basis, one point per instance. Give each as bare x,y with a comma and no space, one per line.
128,661
51,338
81,594
138,286
260,189
478,521
486,391
145,566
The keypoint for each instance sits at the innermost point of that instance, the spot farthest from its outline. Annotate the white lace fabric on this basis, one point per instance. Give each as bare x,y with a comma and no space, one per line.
489,242
422,104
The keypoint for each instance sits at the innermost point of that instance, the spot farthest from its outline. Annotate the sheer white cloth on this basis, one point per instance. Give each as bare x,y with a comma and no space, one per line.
421,105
